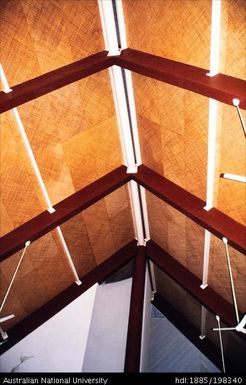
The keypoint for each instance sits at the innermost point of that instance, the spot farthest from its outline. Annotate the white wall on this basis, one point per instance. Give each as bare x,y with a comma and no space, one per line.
59,344
146,326
106,347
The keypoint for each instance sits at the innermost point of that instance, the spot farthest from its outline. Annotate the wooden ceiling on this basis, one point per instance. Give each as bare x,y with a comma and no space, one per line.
74,136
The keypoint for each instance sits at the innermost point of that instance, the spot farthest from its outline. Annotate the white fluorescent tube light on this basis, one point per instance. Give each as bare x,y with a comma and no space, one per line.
215,38
235,177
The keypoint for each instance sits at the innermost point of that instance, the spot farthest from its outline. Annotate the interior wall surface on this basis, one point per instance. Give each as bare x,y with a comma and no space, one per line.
56,346
106,346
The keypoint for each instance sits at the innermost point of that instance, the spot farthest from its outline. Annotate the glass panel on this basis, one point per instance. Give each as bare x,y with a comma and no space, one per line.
171,351
233,343
38,36
218,276
124,273
178,297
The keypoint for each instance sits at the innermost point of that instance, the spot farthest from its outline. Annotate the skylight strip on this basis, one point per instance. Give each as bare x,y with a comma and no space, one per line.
212,129
108,27
38,175
121,83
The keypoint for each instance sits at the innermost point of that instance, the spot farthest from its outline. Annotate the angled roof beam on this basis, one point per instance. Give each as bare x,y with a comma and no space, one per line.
134,334
213,220
51,81
220,87
43,314
64,210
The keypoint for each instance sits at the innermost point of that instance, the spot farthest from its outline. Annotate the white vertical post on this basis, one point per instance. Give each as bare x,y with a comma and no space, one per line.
38,174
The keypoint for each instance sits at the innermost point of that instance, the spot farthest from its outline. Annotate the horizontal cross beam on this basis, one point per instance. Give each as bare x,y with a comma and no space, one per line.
64,210
220,87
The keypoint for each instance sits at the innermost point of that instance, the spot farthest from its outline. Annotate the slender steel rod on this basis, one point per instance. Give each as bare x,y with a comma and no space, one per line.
14,275
221,344
231,278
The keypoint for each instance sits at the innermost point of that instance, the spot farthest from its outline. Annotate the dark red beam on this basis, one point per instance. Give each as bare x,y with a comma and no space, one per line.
99,274
66,209
53,80
213,220
207,297
220,87
134,333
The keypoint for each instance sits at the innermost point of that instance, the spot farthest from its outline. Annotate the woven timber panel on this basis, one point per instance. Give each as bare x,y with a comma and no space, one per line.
21,197
175,29
38,36
74,136
233,38
109,224
231,197
91,236
173,132
178,235
218,277
43,274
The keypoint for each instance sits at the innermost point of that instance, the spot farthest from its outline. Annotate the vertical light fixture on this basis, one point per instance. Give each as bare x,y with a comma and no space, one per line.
212,129
112,20
38,175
